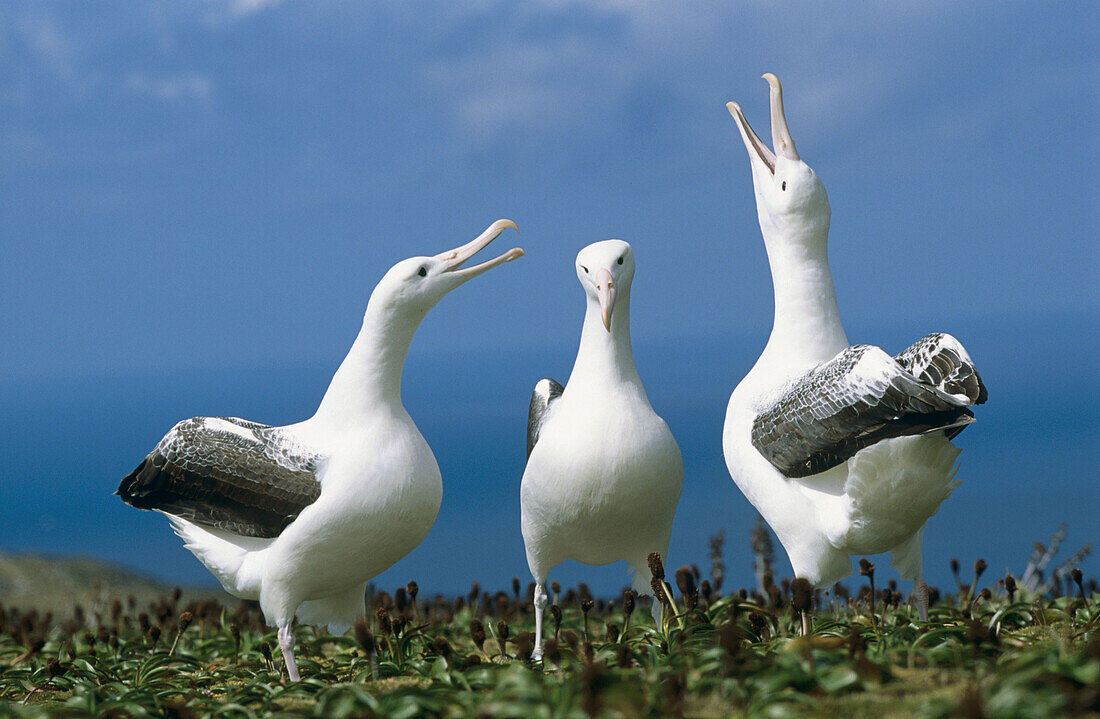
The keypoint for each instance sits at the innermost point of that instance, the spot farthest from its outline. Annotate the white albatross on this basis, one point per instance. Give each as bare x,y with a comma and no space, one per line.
300,517
603,471
844,450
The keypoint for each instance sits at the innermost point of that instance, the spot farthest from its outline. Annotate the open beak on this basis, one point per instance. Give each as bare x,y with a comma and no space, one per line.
781,136
454,258
605,291
757,149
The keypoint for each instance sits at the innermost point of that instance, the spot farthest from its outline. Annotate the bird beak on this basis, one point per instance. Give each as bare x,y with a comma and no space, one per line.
454,258
605,290
757,149
781,136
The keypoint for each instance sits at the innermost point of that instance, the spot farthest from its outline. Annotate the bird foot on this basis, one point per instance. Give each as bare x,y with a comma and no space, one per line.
536,656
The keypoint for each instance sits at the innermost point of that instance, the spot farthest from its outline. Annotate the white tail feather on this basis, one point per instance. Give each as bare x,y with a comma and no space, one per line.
893,488
224,554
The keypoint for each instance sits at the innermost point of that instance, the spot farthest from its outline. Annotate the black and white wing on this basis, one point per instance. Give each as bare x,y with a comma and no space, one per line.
854,400
940,360
228,473
545,392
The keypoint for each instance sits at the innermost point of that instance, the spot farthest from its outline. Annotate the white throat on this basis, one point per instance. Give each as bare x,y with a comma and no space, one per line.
806,327
369,378
604,359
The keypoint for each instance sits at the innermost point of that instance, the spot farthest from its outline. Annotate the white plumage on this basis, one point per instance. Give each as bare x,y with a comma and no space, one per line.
843,450
301,517
603,472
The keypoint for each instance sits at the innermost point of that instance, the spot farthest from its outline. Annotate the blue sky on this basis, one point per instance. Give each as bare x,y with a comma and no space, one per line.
197,198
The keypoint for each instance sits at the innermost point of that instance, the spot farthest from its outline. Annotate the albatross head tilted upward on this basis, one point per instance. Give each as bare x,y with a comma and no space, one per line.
413,286
605,270
790,198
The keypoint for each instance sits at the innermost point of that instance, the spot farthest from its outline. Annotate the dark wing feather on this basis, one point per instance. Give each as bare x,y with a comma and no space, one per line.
546,391
212,474
940,360
854,400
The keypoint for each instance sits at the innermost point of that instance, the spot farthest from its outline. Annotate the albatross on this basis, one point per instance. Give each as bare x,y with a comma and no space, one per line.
300,517
603,472
843,449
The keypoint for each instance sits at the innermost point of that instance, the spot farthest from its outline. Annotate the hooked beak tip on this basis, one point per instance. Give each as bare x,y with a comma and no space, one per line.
782,143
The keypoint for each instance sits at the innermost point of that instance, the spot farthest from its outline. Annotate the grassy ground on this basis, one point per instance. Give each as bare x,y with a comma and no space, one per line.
729,656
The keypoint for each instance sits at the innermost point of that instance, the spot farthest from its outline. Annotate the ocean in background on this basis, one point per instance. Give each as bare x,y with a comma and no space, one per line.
1027,465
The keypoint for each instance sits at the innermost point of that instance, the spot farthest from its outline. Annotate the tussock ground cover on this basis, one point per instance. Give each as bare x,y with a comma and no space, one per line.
981,654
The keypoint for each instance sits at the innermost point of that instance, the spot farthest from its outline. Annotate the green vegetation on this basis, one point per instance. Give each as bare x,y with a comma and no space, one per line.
740,655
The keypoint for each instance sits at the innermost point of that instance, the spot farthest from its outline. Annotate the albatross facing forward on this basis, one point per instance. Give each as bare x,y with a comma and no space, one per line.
300,517
603,471
843,449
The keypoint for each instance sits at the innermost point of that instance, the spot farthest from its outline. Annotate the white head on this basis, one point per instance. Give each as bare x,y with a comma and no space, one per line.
605,270
790,198
413,286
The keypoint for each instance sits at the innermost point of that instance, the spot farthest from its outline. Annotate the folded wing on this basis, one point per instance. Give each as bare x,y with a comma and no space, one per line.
863,396
545,392
940,360
228,473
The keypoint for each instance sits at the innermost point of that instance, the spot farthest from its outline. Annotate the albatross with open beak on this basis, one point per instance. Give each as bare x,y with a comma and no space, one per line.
603,472
842,449
300,517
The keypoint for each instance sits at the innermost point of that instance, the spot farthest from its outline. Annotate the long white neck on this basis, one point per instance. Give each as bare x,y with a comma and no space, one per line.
369,378
807,326
605,359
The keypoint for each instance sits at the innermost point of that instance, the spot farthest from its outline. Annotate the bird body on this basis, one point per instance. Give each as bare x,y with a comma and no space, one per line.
380,491
842,449
301,517
591,500
603,473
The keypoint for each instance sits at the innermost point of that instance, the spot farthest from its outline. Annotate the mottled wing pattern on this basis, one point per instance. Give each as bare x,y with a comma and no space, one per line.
859,397
546,391
940,360
224,472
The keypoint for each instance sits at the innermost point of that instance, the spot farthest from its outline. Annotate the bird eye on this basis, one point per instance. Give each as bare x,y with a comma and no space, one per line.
783,186
423,271
585,269
620,261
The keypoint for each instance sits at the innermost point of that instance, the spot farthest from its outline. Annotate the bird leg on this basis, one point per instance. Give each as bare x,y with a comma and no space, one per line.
286,643
642,588
920,590
540,604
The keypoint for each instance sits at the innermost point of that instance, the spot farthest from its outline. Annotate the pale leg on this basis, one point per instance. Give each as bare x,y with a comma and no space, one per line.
540,604
656,608
642,586
286,643
920,591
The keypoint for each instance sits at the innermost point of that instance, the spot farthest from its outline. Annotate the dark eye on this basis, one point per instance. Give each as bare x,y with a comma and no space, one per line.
585,269
620,260
783,186
423,272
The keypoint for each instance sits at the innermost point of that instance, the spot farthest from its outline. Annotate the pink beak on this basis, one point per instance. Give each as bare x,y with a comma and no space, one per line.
605,290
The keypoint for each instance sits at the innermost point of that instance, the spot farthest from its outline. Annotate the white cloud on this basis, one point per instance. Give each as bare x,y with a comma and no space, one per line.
247,7
547,69
50,46
222,13
171,89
